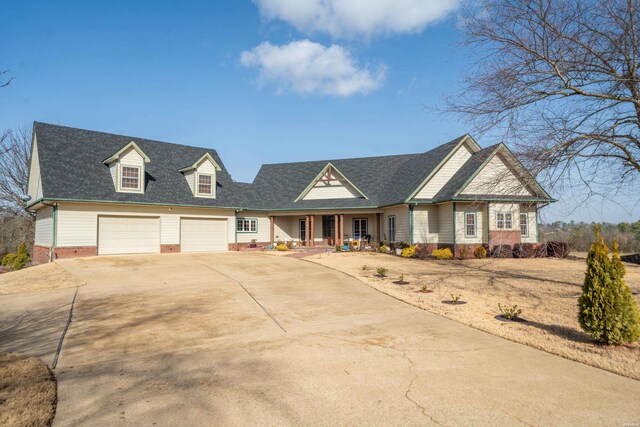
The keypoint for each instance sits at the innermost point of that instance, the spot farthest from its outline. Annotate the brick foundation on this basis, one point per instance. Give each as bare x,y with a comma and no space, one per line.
466,250
242,247
167,249
40,254
75,252
510,237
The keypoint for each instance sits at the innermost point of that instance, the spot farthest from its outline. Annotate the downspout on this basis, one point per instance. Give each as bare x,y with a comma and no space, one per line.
411,225
454,229
488,226
54,242
235,228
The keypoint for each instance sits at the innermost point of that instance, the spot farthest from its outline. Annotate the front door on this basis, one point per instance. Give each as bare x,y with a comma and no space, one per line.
359,228
328,229
303,231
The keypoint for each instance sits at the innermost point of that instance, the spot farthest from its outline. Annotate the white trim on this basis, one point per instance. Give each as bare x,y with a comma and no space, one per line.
211,193
121,176
475,224
133,145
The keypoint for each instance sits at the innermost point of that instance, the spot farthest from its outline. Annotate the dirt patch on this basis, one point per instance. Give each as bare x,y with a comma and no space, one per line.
44,277
27,391
545,289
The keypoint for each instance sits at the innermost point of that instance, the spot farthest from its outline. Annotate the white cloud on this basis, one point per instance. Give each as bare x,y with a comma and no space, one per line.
350,18
305,67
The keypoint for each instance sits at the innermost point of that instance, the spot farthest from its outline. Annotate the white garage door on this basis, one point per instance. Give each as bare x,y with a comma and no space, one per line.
128,235
203,235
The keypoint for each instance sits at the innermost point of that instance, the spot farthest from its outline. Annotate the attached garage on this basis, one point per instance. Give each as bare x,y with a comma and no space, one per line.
203,235
128,235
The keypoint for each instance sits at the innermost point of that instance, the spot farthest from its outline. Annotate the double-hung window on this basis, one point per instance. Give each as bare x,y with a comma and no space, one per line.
205,185
524,225
392,228
470,224
130,178
247,225
504,221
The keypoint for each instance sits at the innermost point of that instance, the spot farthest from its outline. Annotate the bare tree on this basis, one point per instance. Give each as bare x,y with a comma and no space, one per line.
558,81
15,153
4,83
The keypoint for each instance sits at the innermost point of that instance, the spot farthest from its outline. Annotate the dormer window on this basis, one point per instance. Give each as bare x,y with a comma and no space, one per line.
130,178
205,186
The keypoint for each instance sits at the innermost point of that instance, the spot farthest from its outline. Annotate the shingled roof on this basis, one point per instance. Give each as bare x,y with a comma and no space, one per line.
72,169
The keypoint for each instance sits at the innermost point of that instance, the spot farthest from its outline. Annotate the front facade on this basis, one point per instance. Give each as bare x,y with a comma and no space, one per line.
96,193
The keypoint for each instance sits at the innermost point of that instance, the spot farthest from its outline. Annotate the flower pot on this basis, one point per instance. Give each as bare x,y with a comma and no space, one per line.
345,248
398,251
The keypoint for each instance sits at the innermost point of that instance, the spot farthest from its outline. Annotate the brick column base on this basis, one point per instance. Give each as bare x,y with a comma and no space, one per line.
167,249
40,254
504,237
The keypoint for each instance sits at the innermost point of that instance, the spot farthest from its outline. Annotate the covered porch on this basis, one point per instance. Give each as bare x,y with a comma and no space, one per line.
317,229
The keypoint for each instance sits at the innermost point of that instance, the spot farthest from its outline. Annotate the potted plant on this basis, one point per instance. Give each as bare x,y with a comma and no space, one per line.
253,244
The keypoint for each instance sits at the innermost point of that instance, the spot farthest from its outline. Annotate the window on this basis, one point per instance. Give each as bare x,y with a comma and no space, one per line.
524,225
470,224
504,221
247,225
392,228
303,230
359,228
205,184
130,179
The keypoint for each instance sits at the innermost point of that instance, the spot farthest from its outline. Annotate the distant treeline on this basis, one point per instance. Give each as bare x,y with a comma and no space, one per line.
579,235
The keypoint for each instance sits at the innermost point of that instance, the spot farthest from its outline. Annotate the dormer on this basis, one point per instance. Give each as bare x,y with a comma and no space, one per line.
201,176
127,168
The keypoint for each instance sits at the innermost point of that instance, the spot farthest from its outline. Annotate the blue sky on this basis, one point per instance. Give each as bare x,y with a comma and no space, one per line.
264,82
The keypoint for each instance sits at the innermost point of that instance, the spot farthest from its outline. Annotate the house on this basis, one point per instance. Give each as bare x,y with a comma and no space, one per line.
96,193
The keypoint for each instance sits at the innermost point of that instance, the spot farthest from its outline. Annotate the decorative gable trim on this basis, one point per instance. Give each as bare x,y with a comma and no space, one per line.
467,140
133,145
206,156
325,175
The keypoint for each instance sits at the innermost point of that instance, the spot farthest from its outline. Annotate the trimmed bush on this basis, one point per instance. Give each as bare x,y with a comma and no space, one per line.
607,310
409,252
502,251
442,254
557,249
281,247
17,260
480,252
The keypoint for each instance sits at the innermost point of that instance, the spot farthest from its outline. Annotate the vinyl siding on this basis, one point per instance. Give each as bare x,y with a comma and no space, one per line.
512,208
131,157
445,223
78,222
190,176
481,227
533,226
283,228
113,171
496,179
331,192
445,173
34,186
425,224
44,226
402,222
207,168
262,234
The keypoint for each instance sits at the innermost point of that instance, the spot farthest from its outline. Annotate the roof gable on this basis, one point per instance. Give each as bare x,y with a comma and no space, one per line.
130,146
330,183
206,157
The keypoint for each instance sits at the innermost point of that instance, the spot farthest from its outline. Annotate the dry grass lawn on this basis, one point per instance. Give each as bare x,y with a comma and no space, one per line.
43,277
546,289
27,391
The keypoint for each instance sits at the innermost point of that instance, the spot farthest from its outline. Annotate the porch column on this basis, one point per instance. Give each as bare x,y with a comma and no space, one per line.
313,231
336,226
306,230
342,229
379,227
272,221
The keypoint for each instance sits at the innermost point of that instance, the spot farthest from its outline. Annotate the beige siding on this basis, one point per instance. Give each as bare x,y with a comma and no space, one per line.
283,228
340,189
78,222
512,208
113,171
44,226
445,223
205,167
34,187
533,226
425,224
131,157
496,178
263,232
445,173
481,227
402,222
190,177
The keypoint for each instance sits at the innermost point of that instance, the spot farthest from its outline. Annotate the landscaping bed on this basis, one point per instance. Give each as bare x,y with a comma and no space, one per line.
27,391
546,289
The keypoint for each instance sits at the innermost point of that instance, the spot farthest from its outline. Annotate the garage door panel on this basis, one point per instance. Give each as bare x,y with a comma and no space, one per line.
128,235
203,235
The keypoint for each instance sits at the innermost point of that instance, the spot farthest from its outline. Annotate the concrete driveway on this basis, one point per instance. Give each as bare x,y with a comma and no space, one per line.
254,339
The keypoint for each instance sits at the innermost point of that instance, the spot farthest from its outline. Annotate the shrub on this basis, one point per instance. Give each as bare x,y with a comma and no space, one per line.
281,247
464,252
365,268
480,252
384,249
442,254
606,308
540,251
409,252
17,260
400,245
557,249
382,271
502,251
510,313
289,244
422,251
456,297
524,250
